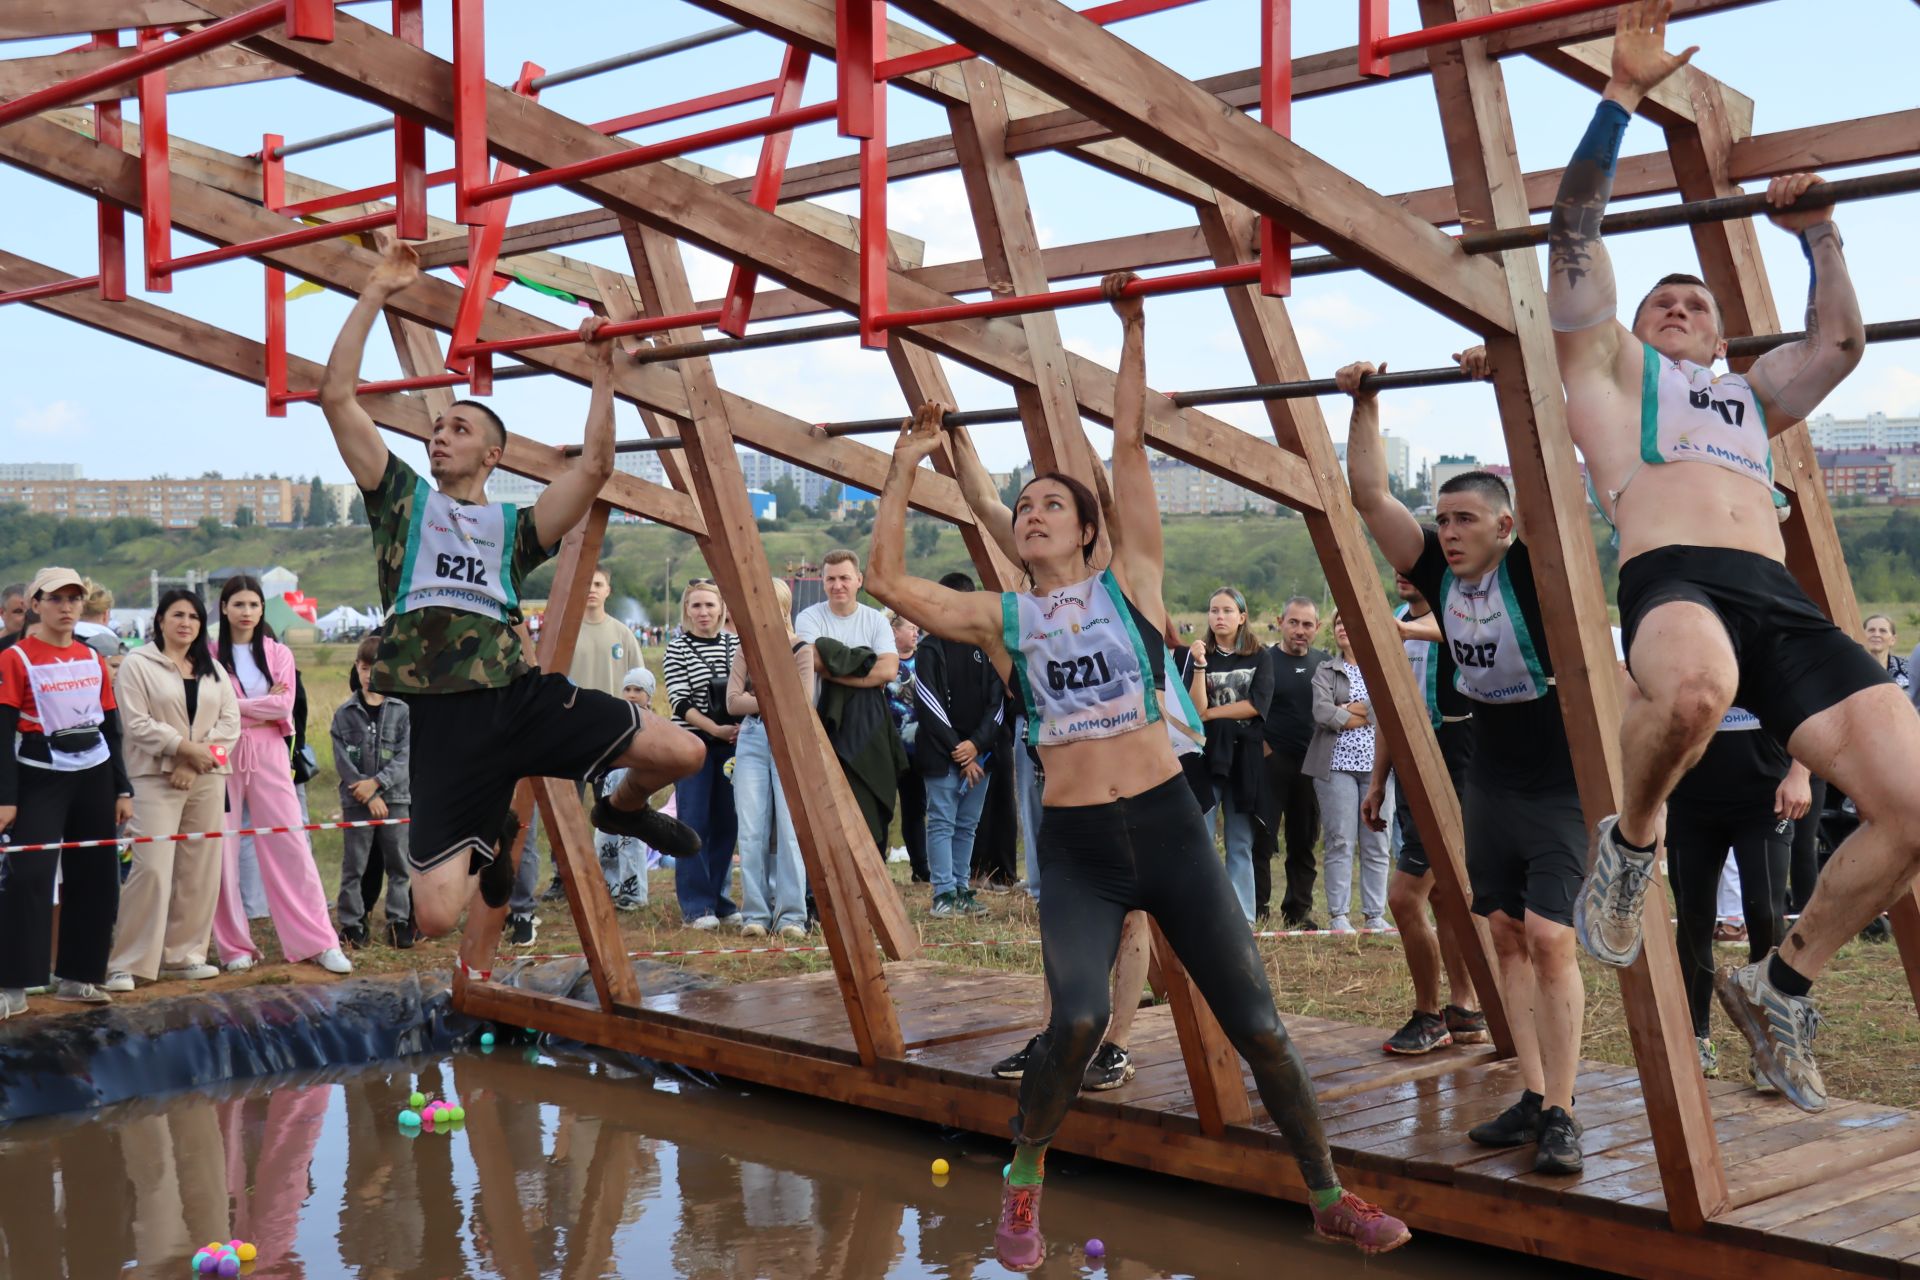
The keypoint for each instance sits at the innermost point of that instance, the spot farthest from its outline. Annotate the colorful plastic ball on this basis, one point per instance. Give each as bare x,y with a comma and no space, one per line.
941,1168
230,1265
486,1039
418,1100
247,1252
459,1113
199,1258
208,1263
1006,1170
409,1118
1095,1248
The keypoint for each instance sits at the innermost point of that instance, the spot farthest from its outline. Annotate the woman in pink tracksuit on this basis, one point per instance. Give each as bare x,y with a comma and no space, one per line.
260,792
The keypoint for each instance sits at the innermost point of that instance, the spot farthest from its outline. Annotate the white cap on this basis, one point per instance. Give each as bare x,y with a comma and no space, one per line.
639,678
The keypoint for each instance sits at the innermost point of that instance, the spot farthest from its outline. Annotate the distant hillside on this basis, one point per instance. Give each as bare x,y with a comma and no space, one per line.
1267,557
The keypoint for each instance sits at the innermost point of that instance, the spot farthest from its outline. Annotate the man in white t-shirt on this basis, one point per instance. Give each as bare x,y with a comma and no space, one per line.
842,617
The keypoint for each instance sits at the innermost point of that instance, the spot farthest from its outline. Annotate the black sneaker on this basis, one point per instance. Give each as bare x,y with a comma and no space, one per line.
354,935
1518,1125
1467,1026
497,872
556,892
659,830
1559,1143
401,934
1111,1067
1423,1033
524,929
1012,1068
1305,924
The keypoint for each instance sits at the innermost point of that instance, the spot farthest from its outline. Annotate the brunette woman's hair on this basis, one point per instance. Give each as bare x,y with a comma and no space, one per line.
261,634
1244,642
1085,506
198,651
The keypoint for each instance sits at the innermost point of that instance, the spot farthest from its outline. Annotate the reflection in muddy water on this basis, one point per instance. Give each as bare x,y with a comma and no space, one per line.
577,1170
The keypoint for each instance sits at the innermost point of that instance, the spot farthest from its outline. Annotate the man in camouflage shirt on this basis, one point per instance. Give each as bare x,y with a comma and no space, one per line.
450,566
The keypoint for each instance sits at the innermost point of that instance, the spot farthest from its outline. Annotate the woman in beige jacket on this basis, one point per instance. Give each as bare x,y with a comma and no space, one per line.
179,719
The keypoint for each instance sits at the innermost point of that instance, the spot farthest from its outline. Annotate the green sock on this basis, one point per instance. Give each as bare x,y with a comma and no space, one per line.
1029,1166
1325,1199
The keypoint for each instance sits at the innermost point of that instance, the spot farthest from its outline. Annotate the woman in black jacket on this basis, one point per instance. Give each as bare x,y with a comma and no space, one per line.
1238,688
962,703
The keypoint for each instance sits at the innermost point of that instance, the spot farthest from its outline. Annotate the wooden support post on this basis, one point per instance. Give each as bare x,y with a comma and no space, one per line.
1273,350
1736,272
818,797
1488,181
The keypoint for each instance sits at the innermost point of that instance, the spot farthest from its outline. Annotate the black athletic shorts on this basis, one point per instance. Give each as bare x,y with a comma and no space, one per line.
1526,851
470,748
1456,748
1794,663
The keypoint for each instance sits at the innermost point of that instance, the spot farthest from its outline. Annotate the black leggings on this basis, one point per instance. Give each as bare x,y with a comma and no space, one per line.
59,806
1806,854
1697,846
1151,852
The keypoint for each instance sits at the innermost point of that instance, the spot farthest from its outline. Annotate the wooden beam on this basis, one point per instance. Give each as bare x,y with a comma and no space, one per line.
211,347
30,19
1478,128
365,62
64,157
421,356
1273,350
212,70
1090,68
819,798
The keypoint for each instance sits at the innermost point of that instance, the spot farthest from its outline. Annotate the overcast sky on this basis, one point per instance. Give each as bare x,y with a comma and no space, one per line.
73,395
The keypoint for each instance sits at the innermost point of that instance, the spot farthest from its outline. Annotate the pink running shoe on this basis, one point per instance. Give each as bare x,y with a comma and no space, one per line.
1370,1229
1017,1241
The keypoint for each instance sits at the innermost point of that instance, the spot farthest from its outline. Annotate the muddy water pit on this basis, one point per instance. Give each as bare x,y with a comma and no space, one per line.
572,1168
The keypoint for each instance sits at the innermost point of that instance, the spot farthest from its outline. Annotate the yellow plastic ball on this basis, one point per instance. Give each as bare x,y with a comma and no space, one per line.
247,1253
940,1168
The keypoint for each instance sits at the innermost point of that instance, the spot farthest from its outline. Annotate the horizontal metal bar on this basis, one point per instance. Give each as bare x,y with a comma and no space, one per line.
751,342
57,289
286,240
153,58
616,160
1022,304
947,54
1467,28
1718,209
563,337
565,76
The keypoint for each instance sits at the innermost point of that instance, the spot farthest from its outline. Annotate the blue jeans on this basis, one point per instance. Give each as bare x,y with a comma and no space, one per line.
952,818
1028,786
706,804
1239,844
773,879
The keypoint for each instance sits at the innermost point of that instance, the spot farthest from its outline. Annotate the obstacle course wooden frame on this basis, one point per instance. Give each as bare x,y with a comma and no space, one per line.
1044,78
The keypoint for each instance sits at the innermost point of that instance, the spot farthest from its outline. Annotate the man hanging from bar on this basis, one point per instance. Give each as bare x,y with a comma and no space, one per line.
451,566
1680,462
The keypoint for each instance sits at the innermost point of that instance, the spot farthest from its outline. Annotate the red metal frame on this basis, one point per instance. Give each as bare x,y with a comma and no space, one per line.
380,388
410,138
863,114
111,219
948,54
1377,46
469,110
273,195
310,20
1276,112
57,289
156,172
767,179
483,251
623,329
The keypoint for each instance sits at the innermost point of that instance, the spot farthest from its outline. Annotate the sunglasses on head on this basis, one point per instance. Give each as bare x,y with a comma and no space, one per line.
699,582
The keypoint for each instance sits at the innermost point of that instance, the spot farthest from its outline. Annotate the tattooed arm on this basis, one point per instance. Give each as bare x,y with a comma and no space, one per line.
1791,381
1581,301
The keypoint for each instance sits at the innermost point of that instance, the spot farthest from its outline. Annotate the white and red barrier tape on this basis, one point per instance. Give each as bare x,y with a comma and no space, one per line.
119,841
993,942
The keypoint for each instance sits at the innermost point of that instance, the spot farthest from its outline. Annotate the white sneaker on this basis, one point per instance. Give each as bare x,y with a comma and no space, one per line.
118,982
1376,923
240,965
79,992
753,930
793,933
1339,925
192,972
12,1000
705,922
333,960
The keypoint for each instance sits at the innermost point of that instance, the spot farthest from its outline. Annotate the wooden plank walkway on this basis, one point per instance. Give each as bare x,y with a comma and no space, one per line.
1823,1195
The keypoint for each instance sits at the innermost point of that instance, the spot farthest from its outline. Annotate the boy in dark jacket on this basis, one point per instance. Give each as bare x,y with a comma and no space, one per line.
370,741
962,704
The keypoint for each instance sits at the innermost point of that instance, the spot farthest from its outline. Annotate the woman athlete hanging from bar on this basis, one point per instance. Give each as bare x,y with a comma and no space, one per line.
1120,830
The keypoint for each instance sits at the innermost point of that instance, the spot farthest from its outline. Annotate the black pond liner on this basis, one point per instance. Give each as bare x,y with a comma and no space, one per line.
110,1054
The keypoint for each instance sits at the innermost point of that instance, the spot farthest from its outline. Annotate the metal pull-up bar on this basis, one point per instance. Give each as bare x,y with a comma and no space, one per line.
1376,46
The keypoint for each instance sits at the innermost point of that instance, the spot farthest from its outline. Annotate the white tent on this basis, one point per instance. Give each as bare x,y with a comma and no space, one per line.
344,620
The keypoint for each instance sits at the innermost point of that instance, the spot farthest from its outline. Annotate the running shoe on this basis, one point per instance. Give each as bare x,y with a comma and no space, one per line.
334,960
79,992
661,831
239,964
1339,924
1606,915
705,922
13,1000
944,906
354,935
753,930
1375,924
1302,924
793,932
1369,1228
1015,1065
1423,1033
1780,1028
1559,1151
1111,1067
1518,1125
401,935
967,903
118,983
1709,1057
1467,1026
523,930
1017,1241
1756,1077
190,972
